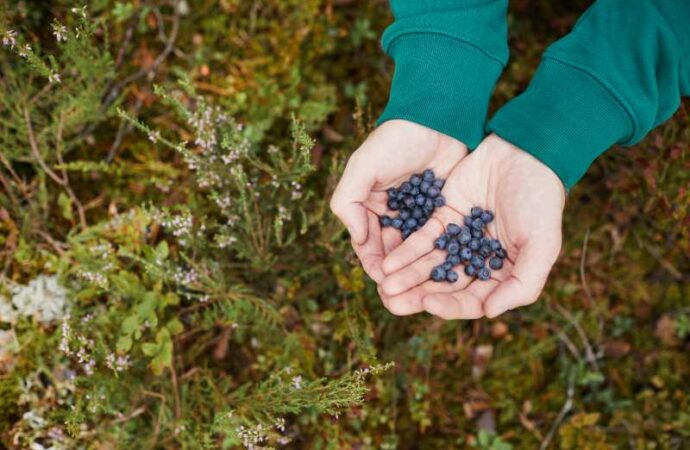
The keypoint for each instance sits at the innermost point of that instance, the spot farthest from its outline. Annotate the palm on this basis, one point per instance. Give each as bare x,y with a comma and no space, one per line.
527,200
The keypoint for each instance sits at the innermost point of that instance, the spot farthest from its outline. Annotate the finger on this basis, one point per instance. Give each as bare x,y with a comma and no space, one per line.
347,201
377,203
391,239
412,275
370,253
409,302
527,278
417,245
462,304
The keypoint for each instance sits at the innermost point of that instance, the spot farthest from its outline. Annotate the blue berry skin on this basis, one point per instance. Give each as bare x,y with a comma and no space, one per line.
410,223
474,244
501,253
465,236
470,271
392,192
495,263
434,192
477,234
424,187
477,224
441,243
438,274
400,197
422,221
453,248
393,204
439,183
397,223
476,212
487,216
454,260
406,233
415,191
420,200
409,202
418,213
439,201
451,276
406,187
484,274
495,245
477,261
485,250
452,229
484,241
465,254
447,265
415,180
467,221
428,175
385,221
405,213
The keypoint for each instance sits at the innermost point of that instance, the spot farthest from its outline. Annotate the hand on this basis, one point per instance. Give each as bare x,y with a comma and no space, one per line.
527,199
390,155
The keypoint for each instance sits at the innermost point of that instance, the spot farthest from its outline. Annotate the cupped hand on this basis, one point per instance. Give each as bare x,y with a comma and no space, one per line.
390,155
527,200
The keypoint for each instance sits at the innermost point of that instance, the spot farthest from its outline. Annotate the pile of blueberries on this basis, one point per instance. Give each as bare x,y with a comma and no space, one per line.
467,245
415,200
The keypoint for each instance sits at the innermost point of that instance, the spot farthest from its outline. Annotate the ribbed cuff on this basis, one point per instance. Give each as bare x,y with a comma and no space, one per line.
566,119
442,83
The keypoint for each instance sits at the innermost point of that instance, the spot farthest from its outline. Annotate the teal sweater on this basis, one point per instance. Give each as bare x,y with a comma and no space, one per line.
619,73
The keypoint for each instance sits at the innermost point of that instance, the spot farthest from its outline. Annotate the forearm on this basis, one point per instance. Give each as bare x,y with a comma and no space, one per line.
617,75
448,55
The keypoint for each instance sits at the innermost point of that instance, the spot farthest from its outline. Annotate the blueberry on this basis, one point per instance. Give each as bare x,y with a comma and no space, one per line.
447,265
501,253
429,204
392,192
434,192
451,276
424,187
410,223
420,200
484,240
467,220
465,236
415,191
397,223
439,183
409,202
477,233
487,216
438,274
439,201
406,187
474,244
393,204
470,271
484,274
441,243
418,213
415,180
495,244
477,261
428,175
477,224
406,233
401,196
476,212
385,221
452,229
453,248
485,250
454,260
405,213
465,254
422,221
495,263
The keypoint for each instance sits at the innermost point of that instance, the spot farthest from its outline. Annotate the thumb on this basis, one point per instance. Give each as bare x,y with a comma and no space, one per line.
347,201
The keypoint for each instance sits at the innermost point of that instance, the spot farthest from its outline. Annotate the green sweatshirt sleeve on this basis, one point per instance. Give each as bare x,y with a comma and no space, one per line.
448,55
619,73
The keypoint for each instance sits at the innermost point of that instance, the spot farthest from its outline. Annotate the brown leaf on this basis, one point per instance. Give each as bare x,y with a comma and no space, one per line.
666,331
616,349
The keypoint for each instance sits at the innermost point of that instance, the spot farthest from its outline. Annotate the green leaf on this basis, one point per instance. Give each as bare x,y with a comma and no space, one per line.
65,204
150,349
130,324
124,344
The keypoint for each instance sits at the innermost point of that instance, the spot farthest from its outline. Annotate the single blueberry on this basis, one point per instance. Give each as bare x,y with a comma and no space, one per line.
439,183
441,243
454,260
465,236
477,261
485,250
428,175
401,196
418,213
439,201
495,244
453,247
467,220
393,204
424,187
410,223
477,224
415,191
501,253
409,202
487,216
476,212
470,271
495,263
420,200
397,223
451,276
406,233
422,220
474,244
447,265
477,234
484,274
415,180
405,213
429,205
434,192
465,253
392,192
406,187
484,240
438,274
385,221
452,228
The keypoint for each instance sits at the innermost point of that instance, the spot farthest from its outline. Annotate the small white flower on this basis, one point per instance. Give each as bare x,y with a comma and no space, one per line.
60,32
10,39
24,51
297,382
154,136
54,78
43,298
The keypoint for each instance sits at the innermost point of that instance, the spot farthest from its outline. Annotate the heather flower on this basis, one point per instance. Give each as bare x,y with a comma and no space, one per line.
297,382
10,39
43,298
54,78
60,32
24,50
